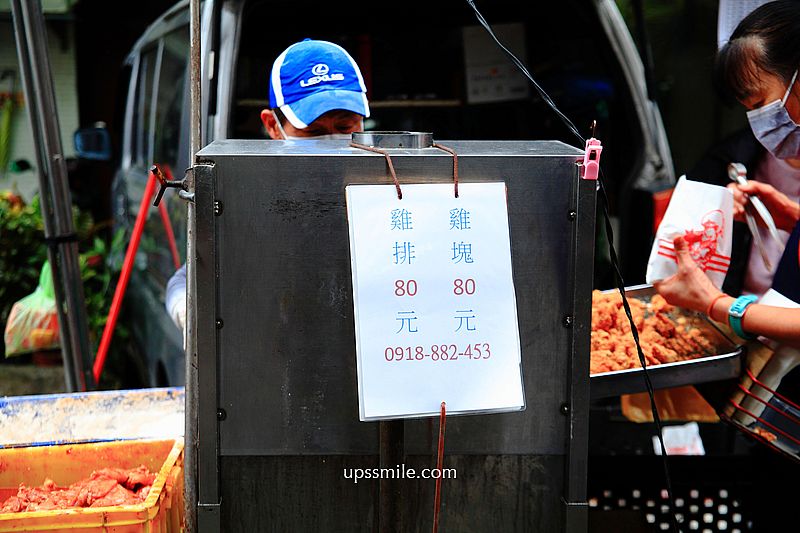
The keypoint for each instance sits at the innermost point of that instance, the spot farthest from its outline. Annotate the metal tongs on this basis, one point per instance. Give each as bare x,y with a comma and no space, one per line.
738,173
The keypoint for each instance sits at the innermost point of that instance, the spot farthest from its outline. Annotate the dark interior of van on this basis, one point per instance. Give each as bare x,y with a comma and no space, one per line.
426,83
421,84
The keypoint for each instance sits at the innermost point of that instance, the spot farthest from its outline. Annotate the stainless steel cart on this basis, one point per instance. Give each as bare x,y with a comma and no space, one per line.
278,404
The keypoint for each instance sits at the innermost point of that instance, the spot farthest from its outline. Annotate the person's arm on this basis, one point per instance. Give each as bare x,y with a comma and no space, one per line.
779,323
690,288
175,301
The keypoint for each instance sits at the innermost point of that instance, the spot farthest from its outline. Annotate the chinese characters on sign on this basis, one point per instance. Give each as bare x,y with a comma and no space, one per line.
434,300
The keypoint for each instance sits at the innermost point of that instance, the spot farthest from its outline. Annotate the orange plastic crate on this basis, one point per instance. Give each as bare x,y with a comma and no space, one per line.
161,512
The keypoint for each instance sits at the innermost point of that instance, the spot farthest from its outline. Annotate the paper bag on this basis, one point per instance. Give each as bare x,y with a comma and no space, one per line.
703,215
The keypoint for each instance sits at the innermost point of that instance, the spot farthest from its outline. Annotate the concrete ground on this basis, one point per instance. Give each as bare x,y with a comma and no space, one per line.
28,378
43,373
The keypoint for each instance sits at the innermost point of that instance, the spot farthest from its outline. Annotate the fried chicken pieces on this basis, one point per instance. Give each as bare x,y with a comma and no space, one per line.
662,339
104,488
764,434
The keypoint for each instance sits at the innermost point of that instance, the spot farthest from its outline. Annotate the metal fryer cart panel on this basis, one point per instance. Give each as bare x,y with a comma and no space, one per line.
276,344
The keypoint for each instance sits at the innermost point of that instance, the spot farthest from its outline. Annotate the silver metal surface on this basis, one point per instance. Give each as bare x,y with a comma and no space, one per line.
276,346
206,327
577,405
286,352
729,363
56,199
394,139
752,225
191,499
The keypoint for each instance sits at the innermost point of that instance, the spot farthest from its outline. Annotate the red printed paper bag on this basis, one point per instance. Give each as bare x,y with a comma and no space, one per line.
703,215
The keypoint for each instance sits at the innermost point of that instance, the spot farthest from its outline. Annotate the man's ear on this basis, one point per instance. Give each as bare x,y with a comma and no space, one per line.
270,124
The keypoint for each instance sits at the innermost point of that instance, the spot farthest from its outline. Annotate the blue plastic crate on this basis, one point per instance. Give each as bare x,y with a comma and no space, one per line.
47,419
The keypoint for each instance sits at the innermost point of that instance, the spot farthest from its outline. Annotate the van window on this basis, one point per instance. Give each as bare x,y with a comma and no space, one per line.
170,120
160,115
141,127
171,98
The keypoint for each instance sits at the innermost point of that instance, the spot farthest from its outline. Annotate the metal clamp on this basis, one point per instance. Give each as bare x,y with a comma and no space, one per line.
165,183
591,159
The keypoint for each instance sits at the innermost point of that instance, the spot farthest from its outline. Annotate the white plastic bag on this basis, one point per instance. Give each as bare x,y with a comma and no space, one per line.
703,215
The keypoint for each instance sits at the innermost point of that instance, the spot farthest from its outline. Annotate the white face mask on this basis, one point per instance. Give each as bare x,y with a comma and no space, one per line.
774,127
328,136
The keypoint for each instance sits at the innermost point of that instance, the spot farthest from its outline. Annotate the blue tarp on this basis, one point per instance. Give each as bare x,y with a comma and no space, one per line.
46,419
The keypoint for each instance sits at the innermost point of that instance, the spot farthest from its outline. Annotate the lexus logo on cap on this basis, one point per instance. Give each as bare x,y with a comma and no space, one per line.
320,69
320,74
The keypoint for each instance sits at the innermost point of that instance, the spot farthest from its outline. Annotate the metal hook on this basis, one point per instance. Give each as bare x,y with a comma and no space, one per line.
164,184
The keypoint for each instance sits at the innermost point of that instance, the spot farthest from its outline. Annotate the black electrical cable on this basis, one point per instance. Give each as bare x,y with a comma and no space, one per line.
612,252
635,333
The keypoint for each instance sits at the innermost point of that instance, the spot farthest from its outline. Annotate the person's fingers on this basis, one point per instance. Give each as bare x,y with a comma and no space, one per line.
755,187
667,287
739,201
739,197
759,189
749,187
682,252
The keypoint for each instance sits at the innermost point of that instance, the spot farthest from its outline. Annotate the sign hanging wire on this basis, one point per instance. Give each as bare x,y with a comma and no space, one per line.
614,260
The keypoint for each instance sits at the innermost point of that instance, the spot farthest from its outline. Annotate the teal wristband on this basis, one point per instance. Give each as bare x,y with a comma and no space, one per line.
736,312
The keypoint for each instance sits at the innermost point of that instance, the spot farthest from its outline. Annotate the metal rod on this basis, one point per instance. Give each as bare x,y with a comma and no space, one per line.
191,406
56,200
390,518
576,410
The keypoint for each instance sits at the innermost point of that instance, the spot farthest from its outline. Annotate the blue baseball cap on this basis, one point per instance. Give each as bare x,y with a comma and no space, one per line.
313,77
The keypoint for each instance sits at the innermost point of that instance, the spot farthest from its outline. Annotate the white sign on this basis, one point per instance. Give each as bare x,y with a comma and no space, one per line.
490,74
435,309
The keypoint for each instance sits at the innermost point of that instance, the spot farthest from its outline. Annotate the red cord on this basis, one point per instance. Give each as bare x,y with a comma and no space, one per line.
437,500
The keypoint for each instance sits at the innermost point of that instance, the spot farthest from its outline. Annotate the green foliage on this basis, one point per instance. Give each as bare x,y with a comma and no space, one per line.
22,253
97,274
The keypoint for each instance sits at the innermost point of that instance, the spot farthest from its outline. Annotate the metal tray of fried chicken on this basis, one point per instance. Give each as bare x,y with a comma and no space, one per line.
681,347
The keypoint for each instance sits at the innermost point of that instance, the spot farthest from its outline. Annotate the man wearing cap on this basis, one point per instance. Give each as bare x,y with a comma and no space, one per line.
316,91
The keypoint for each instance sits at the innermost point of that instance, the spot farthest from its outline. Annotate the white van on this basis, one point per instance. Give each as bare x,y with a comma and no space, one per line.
427,68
